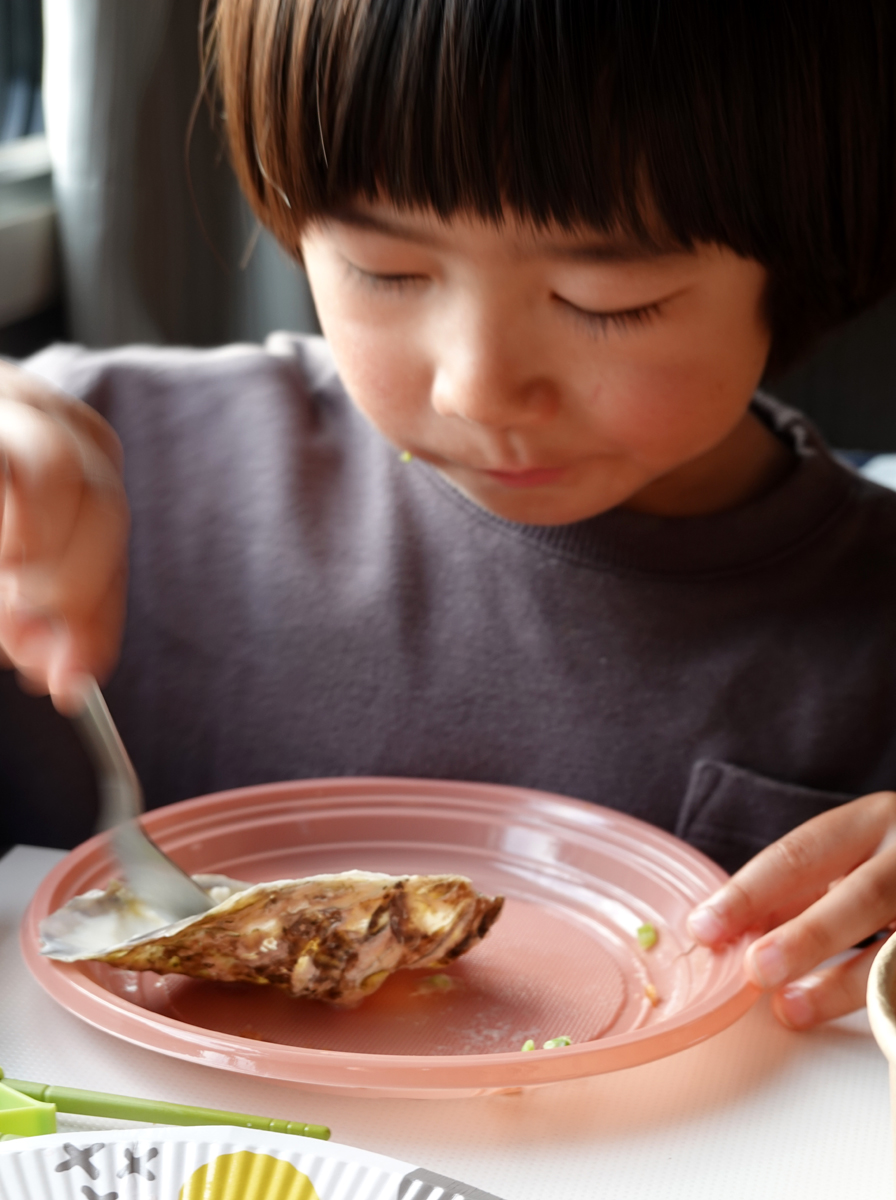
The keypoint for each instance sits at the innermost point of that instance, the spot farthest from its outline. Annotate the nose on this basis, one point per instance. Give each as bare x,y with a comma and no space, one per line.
486,376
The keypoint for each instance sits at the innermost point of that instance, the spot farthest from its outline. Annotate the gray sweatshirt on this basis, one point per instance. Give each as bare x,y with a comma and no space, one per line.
302,604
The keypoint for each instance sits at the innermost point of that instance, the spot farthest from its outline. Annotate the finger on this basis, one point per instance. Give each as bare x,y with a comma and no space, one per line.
803,862
91,649
25,389
77,625
43,484
31,641
826,994
73,583
75,564
791,906
860,905
56,519
55,656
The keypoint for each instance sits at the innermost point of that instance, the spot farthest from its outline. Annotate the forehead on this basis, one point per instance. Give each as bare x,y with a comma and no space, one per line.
521,238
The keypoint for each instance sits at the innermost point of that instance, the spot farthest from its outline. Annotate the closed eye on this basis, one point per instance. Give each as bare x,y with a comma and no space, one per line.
623,318
383,282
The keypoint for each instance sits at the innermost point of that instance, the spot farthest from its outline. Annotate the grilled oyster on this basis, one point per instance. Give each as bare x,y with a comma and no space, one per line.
330,937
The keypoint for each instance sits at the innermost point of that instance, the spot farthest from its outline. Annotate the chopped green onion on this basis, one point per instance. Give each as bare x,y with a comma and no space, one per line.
647,936
437,983
558,1041
530,1045
442,982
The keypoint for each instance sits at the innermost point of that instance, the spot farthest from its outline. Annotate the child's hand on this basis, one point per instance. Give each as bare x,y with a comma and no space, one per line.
63,538
826,886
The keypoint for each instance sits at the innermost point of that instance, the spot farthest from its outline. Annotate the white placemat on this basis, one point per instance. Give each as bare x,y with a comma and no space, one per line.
755,1112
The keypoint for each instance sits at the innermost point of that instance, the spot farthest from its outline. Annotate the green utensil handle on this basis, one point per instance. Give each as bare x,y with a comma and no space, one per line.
161,1112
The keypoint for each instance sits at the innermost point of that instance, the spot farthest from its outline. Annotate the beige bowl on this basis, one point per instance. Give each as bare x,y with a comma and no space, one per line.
882,1013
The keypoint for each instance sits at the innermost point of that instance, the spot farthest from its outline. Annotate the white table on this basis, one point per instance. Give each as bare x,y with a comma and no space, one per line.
756,1112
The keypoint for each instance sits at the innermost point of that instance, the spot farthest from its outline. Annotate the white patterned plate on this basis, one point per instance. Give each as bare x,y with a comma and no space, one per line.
210,1163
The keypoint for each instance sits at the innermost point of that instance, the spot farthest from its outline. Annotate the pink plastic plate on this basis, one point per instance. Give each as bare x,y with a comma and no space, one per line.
563,959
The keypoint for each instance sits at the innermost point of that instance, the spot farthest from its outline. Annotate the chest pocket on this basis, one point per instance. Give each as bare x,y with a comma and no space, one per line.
731,814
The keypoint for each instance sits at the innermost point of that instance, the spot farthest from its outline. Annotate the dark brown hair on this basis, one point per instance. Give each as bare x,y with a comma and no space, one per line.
768,126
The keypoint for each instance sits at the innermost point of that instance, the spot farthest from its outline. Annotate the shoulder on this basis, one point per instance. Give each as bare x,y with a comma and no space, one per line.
259,416
860,503
287,367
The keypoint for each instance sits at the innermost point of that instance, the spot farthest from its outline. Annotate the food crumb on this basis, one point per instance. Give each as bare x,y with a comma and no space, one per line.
652,994
647,935
405,456
437,983
550,1044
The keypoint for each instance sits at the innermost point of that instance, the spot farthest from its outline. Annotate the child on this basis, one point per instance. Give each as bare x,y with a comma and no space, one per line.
554,538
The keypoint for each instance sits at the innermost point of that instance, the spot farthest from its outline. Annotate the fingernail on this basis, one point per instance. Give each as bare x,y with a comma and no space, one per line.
706,925
795,1009
768,965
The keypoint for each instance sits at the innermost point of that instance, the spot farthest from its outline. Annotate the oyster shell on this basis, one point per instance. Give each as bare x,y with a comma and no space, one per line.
330,937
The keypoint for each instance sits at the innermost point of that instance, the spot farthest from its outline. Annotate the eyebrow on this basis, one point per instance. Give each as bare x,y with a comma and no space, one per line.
598,251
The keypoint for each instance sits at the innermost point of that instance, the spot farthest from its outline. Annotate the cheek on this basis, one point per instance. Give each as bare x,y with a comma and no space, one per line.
386,377
693,384
684,380
681,400
386,381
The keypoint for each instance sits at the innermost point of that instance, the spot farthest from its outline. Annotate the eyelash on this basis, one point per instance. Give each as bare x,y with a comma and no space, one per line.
596,322
625,319
386,283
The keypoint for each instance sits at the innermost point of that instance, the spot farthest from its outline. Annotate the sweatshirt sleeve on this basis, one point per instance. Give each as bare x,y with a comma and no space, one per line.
107,379
69,368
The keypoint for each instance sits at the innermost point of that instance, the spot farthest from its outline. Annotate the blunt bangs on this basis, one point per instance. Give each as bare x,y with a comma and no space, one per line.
768,126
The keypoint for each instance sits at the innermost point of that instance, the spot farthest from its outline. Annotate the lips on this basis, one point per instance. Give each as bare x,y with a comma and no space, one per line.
513,477
533,477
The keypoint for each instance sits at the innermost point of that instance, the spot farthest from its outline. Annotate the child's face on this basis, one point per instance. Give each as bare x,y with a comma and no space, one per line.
549,376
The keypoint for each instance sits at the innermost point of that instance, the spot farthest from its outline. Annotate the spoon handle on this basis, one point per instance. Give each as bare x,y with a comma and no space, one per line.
151,874
121,797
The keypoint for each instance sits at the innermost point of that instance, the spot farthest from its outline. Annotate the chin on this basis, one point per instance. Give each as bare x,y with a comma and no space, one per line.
558,504
539,507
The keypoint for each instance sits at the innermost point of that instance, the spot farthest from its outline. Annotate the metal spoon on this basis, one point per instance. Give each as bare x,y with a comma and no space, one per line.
150,873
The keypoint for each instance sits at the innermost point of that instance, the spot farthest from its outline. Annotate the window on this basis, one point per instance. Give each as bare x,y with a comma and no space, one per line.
28,258
21,55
